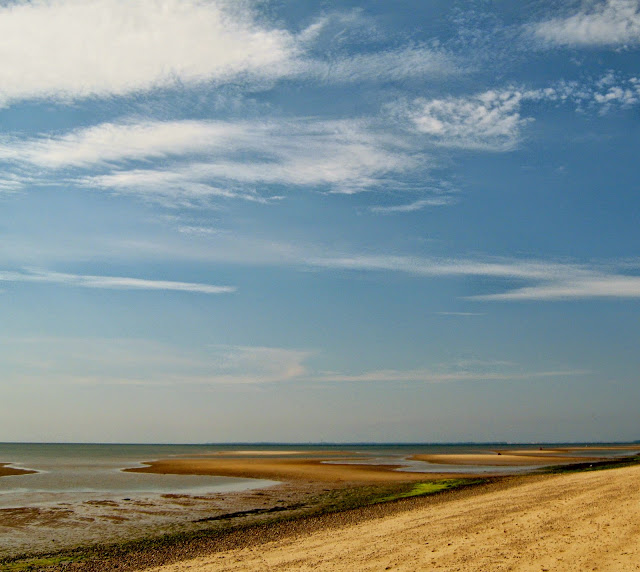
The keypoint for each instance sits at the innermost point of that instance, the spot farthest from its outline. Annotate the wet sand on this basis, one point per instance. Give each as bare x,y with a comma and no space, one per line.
287,470
572,522
502,459
7,471
524,457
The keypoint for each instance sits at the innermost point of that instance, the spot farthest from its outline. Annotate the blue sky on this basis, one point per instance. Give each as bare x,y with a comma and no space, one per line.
306,221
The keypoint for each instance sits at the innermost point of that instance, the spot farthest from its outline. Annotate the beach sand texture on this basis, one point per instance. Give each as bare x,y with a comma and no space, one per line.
570,522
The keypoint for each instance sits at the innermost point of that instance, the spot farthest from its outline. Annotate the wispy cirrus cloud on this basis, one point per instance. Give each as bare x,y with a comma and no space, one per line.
588,285
108,143
609,23
214,157
388,65
420,204
541,281
110,282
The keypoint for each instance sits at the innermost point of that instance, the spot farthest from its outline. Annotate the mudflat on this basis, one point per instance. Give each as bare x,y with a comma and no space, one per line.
568,522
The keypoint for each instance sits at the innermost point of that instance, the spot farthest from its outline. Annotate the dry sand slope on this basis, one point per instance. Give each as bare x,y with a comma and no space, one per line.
583,521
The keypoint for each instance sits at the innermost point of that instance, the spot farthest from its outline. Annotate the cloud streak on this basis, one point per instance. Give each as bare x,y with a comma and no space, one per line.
389,65
223,158
111,282
414,206
552,281
613,23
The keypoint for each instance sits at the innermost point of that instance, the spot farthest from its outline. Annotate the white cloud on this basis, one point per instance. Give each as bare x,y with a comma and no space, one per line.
591,285
414,206
126,141
182,187
492,120
552,280
510,269
80,48
390,65
70,49
11,183
110,282
610,23
489,121
216,157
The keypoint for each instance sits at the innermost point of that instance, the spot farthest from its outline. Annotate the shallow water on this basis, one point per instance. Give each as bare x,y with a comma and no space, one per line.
82,472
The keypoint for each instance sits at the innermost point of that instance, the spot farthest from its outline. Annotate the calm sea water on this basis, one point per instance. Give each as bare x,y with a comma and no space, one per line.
77,471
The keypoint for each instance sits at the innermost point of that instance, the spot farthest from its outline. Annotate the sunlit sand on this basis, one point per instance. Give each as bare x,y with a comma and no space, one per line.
549,523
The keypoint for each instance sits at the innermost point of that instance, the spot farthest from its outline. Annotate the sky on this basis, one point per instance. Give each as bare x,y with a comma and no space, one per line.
283,221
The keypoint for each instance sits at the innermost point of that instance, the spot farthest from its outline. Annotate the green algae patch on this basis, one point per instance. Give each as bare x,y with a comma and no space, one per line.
42,563
430,488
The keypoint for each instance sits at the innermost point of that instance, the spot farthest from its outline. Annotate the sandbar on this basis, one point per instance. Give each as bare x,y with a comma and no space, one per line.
259,453
286,470
500,459
6,470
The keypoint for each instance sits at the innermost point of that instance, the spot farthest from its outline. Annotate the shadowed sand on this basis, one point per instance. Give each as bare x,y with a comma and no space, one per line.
572,522
285,470
6,471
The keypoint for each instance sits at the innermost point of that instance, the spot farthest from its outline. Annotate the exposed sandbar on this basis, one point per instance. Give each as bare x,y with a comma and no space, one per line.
499,459
285,470
6,470
533,457
257,453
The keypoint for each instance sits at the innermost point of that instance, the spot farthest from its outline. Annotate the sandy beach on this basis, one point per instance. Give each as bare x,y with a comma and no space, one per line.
571,522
